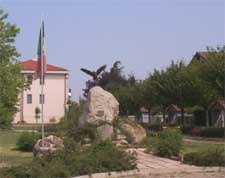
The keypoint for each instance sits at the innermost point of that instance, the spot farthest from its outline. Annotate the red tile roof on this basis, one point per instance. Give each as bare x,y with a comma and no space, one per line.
218,104
202,55
32,65
173,108
208,54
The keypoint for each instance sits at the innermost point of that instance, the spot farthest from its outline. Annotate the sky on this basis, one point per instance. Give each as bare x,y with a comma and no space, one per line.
142,34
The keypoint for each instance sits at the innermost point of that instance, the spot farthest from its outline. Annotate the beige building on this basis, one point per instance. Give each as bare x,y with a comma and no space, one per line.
55,94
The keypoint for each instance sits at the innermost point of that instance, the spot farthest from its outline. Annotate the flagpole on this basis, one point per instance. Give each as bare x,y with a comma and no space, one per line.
42,88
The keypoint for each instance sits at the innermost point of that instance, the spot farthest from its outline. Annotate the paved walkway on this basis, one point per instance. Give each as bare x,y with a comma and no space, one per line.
157,167
150,166
155,163
3,165
182,175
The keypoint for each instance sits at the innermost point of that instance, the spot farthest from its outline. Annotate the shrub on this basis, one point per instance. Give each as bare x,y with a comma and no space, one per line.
26,141
69,124
81,134
152,129
76,160
150,143
213,132
211,157
102,157
37,169
156,127
186,129
14,172
168,143
71,118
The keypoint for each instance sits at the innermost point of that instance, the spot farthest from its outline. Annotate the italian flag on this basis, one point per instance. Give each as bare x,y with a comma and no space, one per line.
42,66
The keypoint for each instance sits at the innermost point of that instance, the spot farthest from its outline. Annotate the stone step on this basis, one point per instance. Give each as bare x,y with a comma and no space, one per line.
121,143
121,137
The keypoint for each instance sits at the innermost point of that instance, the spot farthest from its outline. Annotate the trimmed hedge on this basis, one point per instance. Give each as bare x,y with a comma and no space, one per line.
213,132
186,129
207,158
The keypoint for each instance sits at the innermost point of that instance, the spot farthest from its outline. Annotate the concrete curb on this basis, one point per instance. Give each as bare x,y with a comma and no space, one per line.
153,172
111,174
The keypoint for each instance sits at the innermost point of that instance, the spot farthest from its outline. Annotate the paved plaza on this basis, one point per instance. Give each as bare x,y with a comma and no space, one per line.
157,167
150,166
154,163
182,175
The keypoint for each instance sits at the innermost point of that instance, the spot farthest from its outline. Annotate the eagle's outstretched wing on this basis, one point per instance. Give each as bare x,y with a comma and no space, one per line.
88,72
102,68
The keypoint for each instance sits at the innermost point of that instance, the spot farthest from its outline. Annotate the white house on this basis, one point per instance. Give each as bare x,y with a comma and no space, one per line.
54,98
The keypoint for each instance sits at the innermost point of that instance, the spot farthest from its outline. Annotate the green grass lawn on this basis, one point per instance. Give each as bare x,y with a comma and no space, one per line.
192,145
10,156
198,146
8,153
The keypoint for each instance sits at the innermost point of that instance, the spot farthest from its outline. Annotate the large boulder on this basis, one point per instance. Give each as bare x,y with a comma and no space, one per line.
100,107
52,144
136,131
105,131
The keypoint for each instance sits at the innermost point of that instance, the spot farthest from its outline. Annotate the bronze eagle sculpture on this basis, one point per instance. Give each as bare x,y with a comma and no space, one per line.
94,74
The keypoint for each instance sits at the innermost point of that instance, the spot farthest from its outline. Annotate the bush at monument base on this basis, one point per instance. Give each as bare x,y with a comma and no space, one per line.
75,160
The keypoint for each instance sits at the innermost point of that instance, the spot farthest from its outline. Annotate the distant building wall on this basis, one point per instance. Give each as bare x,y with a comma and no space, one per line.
55,89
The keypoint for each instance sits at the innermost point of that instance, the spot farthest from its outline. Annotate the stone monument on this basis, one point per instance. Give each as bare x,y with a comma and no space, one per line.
101,110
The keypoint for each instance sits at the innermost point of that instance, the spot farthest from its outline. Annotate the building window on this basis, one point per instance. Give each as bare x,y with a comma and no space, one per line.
29,79
29,99
42,99
42,82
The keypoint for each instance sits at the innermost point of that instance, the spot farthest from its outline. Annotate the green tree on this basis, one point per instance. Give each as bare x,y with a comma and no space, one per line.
125,89
169,86
212,70
208,79
11,81
112,78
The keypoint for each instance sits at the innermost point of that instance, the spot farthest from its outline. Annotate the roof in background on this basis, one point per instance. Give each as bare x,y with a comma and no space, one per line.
32,65
201,55
173,108
218,104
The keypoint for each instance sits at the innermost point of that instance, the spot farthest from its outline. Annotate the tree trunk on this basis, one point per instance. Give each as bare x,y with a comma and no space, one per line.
149,116
223,119
182,116
164,116
207,117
